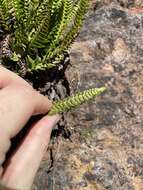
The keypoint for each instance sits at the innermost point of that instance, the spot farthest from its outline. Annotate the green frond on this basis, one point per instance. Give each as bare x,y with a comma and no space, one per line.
27,13
51,28
20,14
19,10
56,5
77,22
42,20
42,9
36,64
65,38
74,101
67,14
15,9
5,9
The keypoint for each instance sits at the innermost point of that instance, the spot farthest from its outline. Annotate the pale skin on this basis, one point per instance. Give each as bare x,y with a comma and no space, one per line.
18,102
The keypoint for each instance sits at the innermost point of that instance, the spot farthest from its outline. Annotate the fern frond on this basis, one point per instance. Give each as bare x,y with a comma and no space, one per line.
19,11
68,34
67,14
5,9
48,31
42,21
36,64
27,15
55,21
42,9
77,22
74,101
56,5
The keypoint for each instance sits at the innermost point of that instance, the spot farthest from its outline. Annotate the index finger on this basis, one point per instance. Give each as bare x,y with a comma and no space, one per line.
18,104
7,77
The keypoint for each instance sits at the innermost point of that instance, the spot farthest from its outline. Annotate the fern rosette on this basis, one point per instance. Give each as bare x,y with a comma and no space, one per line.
39,33
42,30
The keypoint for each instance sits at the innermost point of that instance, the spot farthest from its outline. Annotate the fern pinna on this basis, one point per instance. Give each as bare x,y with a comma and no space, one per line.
41,30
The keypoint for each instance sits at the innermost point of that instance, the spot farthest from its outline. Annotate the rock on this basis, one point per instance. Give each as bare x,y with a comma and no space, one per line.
120,52
105,147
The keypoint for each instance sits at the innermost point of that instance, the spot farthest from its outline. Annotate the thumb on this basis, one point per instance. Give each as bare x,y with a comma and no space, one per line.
23,165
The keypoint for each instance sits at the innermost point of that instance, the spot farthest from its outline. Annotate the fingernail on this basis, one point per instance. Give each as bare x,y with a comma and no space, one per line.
52,120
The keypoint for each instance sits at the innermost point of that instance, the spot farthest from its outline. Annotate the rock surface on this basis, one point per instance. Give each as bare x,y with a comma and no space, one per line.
102,148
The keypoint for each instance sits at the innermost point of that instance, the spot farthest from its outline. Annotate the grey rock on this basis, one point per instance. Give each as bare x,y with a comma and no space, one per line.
105,149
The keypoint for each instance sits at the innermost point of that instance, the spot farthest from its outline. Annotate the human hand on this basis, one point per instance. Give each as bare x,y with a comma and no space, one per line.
18,102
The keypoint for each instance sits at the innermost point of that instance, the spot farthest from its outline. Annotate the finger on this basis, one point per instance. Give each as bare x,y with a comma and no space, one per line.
7,77
23,165
17,105
4,146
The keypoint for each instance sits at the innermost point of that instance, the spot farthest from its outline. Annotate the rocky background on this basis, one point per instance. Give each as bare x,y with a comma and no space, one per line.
101,147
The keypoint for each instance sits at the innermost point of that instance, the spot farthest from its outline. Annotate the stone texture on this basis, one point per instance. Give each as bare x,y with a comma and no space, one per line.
104,146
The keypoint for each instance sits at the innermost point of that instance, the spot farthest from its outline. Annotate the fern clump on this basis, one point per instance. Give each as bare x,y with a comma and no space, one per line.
76,100
38,34
41,31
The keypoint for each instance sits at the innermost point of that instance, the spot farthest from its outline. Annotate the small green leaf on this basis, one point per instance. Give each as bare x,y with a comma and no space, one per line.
15,57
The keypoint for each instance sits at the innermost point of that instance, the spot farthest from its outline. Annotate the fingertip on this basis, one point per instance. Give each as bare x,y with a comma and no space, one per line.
53,118
49,121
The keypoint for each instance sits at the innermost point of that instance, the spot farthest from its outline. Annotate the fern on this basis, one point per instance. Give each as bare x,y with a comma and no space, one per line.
74,101
5,10
42,28
40,32
43,21
67,13
19,11
63,41
49,22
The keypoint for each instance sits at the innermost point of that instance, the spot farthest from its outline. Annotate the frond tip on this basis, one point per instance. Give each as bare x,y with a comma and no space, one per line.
74,101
